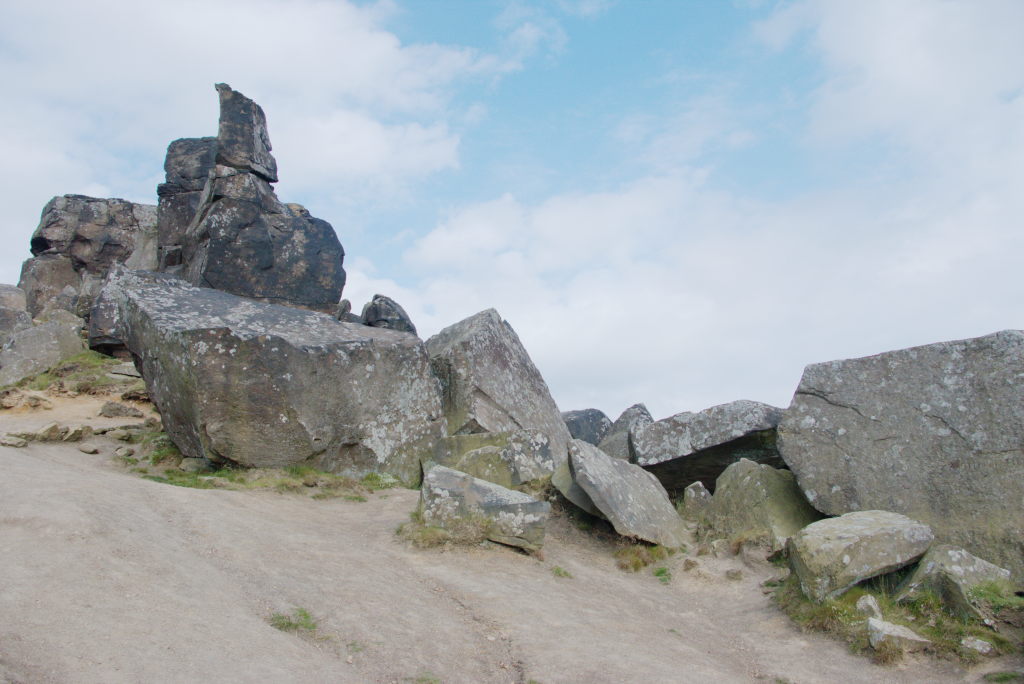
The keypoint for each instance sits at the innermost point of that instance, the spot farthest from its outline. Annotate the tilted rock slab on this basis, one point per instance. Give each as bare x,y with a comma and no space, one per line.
618,441
952,573
757,503
832,555
515,518
933,432
235,235
590,425
564,480
632,499
490,384
77,241
34,349
688,447
265,385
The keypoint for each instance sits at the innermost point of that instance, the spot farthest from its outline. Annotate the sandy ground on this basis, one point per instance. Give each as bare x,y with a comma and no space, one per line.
105,577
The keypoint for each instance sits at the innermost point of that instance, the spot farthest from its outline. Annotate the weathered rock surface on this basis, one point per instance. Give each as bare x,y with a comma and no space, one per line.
239,237
590,425
832,555
509,459
33,350
77,241
632,499
264,385
688,446
12,297
384,312
881,632
490,384
934,432
618,442
696,498
757,503
564,480
113,409
514,518
12,321
952,573
867,605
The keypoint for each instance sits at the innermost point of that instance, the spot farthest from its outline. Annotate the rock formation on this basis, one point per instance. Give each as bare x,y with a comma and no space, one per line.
618,441
590,425
384,312
490,384
34,349
235,235
264,385
78,239
688,446
951,573
934,432
509,459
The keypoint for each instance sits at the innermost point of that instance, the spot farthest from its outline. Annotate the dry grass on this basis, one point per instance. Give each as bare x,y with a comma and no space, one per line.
464,531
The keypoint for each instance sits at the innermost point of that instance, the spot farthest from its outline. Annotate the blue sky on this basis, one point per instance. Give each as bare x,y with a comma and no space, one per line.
680,203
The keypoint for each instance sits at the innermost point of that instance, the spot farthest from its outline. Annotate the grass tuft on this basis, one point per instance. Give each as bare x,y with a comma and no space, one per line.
663,574
636,557
559,571
299,621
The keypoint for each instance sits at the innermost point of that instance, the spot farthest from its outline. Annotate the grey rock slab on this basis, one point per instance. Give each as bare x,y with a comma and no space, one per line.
590,425
881,632
12,297
688,447
44,278
951,573
265,385
512,458
514,518
113,409
632,499
618,441
696,499
33,350
384,312
490,384
12,321
867,605
832,555
757,503
934,432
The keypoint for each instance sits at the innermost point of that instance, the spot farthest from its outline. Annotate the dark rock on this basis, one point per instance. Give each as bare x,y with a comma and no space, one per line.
384,312
78,239
688,447
490,383
935,432
590,425
264,385
344,313
629,497
449,496
242,139
187,166
618,442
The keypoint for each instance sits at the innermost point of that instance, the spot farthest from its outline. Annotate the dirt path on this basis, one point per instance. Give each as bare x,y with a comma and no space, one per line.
105,577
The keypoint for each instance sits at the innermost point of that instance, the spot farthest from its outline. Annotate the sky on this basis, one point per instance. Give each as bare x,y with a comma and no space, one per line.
674,202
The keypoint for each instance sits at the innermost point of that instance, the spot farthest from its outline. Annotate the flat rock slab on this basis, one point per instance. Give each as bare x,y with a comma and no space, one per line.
627,495
952,573
933,432
690,447
514,518
757,503
490,384
832,555
265,385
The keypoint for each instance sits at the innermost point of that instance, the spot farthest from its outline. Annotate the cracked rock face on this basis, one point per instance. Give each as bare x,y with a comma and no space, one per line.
264,385
690,447
78,239
513,517
490,383
222,226
935,432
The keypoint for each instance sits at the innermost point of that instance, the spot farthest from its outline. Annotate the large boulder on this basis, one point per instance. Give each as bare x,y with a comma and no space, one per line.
241,238
384,312
264,385
952,573
187,166
78,239
11,321
832,555
33,350
490,383
590,425
449,497
618,441
933,432
510,459
688,447
757,503
627,495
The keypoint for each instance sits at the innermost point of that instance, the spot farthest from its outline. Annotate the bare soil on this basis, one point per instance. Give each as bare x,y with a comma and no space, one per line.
107,577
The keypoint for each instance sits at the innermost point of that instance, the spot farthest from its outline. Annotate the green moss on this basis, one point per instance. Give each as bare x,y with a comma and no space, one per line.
83,373
299,621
